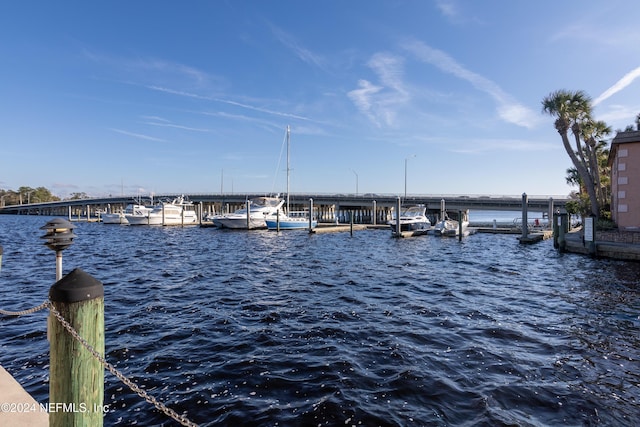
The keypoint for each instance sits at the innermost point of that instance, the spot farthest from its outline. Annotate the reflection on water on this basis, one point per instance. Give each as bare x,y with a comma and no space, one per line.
261,328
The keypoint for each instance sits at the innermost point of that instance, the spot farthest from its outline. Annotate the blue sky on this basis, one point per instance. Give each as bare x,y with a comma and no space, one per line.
165,96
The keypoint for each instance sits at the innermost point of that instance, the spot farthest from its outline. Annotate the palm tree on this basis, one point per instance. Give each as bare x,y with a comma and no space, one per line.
596,147
573,111
573,178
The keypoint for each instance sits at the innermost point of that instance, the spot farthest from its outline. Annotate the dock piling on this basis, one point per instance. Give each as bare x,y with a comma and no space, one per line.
561,227
525,216
351,223
76,381
248,214
398,226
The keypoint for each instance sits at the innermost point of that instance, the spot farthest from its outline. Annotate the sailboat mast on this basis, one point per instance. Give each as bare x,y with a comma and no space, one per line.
288,169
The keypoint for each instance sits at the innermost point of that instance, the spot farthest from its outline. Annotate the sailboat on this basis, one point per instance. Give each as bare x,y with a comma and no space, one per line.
297,220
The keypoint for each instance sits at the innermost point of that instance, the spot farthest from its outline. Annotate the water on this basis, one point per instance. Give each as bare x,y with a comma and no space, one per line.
509,218
265,329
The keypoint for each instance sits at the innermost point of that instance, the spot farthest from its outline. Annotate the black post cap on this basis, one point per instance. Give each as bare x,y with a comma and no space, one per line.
75,287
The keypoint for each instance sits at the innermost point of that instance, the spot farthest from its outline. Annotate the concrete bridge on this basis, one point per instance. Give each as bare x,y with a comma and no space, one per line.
365,208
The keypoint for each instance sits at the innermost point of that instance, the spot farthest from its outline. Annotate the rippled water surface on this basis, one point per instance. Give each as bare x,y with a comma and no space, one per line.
260,328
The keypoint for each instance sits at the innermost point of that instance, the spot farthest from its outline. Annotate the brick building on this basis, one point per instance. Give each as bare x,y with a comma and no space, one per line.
624,160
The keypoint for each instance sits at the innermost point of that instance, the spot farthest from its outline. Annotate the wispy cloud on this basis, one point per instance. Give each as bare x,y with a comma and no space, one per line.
508,108
362,98
228,102
448,8
390,70
478,146
157,121
595,34
300,51
456,15
178,92
620,115
380,102
153,69
621,84
260,109
137,135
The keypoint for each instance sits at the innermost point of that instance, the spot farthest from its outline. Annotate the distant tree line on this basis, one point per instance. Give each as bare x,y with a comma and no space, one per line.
25,195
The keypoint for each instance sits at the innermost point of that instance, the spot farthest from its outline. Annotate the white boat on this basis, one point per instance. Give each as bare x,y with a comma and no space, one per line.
451,227
413,218
208,219
120,217
177,212
260,209
296,220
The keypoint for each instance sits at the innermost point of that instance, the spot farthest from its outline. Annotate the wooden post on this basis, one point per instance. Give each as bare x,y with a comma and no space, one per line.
310,215
562,242
525,216
278,221
351,222
76,383
556,227
248,215
459,226
398,226
0,257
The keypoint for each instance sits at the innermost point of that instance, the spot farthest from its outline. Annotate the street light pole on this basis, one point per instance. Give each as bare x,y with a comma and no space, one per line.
356,174
405,174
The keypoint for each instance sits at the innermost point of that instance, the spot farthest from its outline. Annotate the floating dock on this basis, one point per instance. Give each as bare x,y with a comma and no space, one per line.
412,233
338,228
536,236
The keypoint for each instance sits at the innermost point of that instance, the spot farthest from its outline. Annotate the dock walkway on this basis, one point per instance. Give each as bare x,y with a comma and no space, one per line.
17,407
